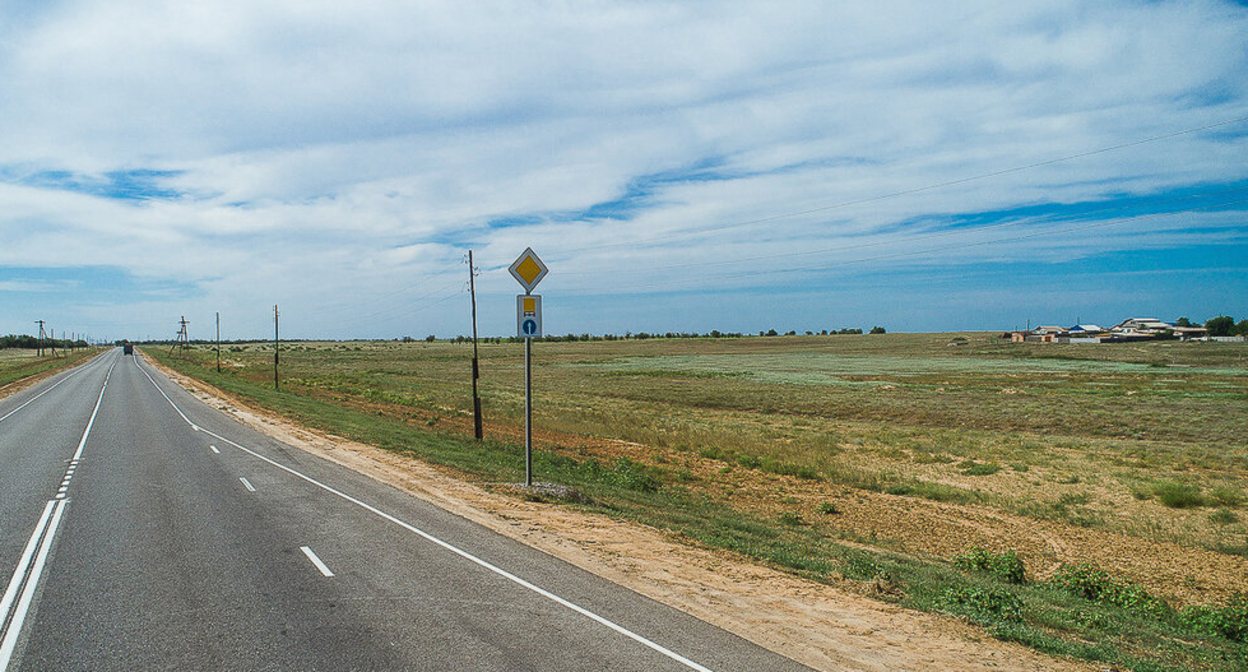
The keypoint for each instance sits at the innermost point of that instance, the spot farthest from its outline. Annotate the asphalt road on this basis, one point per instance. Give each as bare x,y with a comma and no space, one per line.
143,530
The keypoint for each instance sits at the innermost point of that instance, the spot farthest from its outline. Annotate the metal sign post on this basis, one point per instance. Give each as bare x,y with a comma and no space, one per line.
528,270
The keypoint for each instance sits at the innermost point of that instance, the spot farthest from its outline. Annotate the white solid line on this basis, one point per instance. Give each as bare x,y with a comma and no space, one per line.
214,449
83,443
28,593
654,646
316,561
247,484
32,399
162,393
23,564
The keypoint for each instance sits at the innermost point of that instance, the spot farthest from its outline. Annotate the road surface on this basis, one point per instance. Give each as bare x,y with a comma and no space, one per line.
143,530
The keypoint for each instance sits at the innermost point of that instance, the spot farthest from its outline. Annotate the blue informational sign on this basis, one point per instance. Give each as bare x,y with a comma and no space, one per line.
529,316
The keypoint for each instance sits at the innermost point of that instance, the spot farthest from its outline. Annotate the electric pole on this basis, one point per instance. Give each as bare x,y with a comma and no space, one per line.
182,339
277,347
39,347
476,371
218,342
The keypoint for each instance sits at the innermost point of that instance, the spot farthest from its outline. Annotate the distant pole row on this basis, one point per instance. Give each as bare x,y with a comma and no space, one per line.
46,340
183,339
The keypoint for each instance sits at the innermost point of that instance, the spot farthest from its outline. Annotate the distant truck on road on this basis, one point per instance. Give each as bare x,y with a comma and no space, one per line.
127,348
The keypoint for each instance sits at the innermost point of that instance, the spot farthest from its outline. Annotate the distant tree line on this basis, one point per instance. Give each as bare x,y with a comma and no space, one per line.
1222,325
32,342
639,336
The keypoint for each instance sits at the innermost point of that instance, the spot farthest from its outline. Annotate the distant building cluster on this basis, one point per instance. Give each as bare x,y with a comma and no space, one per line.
1133,329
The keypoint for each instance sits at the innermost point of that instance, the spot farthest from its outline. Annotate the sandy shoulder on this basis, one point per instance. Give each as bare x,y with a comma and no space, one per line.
822,626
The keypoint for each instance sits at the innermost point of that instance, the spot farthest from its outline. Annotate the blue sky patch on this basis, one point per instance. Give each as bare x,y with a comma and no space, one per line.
90,284
123,185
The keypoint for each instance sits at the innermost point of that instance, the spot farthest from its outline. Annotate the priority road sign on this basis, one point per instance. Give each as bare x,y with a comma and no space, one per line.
528,270
529,315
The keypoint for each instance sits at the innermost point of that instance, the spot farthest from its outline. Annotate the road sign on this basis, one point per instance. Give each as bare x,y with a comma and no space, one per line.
529,316
528,270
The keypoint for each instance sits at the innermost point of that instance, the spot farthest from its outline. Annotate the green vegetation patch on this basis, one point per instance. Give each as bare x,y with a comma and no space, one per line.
984,605
1006,566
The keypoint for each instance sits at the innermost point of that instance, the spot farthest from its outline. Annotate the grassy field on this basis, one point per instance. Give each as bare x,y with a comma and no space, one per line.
17,364
881,461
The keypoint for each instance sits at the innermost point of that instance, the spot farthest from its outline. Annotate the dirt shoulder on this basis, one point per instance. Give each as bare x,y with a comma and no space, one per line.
822,626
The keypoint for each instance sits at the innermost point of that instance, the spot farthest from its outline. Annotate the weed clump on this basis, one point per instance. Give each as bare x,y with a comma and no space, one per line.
625,474
792,519
1006,566
749,461
1096,585
1230,621
984,605
1178,495
1227,495
862,567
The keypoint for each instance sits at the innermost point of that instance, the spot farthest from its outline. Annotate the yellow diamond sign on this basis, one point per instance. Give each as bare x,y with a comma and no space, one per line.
528,270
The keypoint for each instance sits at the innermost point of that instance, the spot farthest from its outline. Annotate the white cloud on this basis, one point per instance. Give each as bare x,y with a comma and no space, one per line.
334,150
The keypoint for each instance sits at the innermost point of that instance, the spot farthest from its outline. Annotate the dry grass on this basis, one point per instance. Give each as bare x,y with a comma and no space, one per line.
1097,437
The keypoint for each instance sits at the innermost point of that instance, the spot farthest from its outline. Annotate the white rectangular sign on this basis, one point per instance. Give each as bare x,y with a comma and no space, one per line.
529,316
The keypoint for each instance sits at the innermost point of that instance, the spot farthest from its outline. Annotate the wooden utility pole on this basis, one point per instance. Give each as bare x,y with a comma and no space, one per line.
218,342
277,347
476,370
39,346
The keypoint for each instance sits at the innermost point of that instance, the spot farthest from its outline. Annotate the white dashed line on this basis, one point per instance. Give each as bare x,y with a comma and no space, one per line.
214,449
316,561
654,646
247,484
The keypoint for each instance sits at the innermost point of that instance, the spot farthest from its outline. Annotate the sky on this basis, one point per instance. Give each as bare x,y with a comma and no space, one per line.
678,166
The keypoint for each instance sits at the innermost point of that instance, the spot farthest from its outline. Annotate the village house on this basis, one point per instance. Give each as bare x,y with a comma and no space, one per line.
1142,326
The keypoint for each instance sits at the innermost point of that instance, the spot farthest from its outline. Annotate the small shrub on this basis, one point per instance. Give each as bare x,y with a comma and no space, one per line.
625,473
1178,495
984,605
828,509
711,453
971,468
1230,621
632,476
809,474
1095,584
792,519
749,461
1006,566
